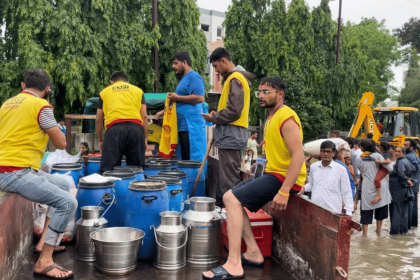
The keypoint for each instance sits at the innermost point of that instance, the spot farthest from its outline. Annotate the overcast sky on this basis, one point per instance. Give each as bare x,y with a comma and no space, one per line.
396,13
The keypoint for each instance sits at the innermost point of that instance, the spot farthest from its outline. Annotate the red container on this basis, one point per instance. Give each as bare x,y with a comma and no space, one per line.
262,227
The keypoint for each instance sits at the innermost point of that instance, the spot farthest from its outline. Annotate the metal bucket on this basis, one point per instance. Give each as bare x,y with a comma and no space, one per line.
116,249
171,239
204,224
92,219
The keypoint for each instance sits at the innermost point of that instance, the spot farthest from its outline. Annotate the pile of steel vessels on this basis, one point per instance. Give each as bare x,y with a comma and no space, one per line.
122,221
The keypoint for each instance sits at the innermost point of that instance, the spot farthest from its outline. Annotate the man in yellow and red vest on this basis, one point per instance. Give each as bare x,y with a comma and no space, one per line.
26,124
124,108
231,119
285,174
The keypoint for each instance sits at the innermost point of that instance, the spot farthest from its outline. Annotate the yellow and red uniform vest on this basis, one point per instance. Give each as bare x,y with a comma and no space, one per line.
277,153
243,120
121,103
22,140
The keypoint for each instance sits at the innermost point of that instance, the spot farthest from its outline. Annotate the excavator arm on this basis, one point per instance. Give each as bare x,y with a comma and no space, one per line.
365,117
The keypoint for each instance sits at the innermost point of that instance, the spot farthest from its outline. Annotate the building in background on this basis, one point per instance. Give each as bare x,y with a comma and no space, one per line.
211,23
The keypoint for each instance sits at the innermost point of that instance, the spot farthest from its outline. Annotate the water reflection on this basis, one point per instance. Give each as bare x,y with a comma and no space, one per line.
384,257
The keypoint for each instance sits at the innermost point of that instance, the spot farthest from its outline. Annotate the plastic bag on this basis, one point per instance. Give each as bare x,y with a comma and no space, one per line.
40,213
60,156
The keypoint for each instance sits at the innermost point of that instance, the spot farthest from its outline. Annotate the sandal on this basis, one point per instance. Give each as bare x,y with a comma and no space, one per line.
51,267
221,273
374,201
247,262
56,251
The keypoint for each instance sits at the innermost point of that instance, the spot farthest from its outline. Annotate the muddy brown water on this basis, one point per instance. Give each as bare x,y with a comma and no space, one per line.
384,257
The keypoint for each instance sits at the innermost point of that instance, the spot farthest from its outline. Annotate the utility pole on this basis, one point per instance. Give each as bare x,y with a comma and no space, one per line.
156,51
337,57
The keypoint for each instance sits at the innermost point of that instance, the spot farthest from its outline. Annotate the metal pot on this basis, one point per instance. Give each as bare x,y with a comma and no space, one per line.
171,239
204,225
116,249
92,219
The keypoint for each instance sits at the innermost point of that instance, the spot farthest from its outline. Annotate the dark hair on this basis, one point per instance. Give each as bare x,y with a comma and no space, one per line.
118,76
403,150
218,54
356,141
86,146
323,136
351,142
335,132
413,143
385,145
36,78
328,144
274,82
368,146
182,56
369,135
253,132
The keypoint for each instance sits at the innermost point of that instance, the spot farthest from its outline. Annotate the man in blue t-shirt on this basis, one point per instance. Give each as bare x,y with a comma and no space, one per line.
189,98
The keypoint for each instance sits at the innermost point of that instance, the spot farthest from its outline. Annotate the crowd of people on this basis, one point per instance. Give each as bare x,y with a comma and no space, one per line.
381,178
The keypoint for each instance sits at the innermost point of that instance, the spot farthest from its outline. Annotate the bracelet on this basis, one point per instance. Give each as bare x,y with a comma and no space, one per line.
282,193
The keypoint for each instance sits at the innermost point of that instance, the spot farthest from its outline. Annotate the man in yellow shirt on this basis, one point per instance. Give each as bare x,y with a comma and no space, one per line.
154,135
285,175
26,123
124,108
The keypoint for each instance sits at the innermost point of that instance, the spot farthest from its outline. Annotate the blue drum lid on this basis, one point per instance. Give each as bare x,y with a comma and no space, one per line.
123,174
95,185
67,166
171,161
170,180
135,169
157,165
189,163
95,159
147,185
177,173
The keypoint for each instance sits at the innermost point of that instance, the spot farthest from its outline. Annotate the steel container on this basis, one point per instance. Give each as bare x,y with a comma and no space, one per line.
116,249
204,226
171,239
92,219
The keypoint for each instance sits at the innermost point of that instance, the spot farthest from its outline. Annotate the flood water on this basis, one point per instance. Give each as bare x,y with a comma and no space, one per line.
384,257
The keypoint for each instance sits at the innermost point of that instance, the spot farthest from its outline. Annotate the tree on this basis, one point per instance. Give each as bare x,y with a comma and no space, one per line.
410,33
410,94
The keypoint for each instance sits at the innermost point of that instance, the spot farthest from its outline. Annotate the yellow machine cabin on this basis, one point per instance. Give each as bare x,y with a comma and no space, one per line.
392,124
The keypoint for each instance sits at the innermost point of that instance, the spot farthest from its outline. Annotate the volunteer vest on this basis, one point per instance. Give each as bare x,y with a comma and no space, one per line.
277,153
22,141
154,133
121,103
243,120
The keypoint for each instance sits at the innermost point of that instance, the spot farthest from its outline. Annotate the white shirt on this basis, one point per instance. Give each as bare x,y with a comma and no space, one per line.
330,186
252,145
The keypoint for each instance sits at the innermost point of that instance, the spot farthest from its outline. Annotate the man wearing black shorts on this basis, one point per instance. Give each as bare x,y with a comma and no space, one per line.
285,175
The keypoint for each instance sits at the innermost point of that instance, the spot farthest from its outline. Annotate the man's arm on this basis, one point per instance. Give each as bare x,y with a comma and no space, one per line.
234,106
346,193
143,113
57,137
191,99
100,127
291,133
48,123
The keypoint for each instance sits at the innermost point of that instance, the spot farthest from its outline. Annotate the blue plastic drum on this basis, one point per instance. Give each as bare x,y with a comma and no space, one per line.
153,168
75,169
121,190
172,161
136,169
94,163
146,199
182,176
174,189
92,194
191,167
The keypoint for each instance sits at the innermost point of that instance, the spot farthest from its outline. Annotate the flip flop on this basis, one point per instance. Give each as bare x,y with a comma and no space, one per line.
374,201
56,251
247,262
51,267
221,273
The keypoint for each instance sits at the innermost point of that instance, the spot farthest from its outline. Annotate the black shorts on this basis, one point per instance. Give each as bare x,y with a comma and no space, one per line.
366,216
255,193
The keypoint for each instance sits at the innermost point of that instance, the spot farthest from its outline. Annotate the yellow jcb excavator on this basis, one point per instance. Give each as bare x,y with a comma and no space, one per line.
392,124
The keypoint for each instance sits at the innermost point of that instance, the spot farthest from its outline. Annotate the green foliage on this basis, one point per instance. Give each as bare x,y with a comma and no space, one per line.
410,33
410,94
300,46
81,42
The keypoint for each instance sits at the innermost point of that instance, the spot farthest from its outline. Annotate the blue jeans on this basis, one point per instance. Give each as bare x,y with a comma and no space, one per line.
44,188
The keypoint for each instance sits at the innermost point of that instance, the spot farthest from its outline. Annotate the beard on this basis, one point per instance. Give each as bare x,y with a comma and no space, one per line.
267,105
180,73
